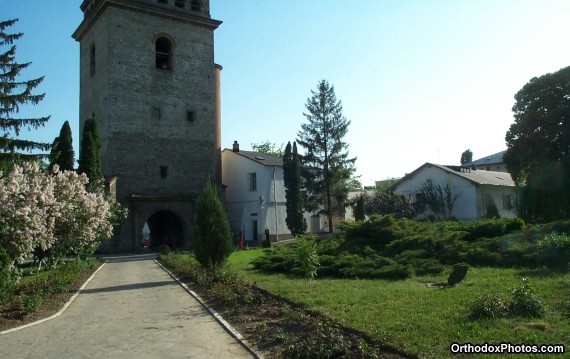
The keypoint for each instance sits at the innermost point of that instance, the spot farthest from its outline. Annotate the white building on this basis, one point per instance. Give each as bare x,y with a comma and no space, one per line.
255,195
476,189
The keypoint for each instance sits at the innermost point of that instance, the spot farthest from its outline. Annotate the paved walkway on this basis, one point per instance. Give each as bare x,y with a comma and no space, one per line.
131,309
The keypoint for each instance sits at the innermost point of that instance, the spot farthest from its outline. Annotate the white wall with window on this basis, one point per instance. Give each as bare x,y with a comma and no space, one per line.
255,198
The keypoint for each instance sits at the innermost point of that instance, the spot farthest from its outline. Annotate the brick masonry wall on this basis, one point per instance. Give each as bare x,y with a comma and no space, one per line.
122,94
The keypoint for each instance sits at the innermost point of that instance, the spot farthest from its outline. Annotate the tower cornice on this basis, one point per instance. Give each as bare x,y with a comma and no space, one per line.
93,9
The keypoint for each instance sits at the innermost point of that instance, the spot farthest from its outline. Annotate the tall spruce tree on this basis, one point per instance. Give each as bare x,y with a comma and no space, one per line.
90,155
326,153
212,235
13,94
293,195
62,153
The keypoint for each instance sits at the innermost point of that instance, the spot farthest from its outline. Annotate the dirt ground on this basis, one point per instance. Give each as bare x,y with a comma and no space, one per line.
270,325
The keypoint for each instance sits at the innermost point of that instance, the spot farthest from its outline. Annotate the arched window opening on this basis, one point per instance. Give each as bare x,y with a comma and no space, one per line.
196,5
163,54
92,60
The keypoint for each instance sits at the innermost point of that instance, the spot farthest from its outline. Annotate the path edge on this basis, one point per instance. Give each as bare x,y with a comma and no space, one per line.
60,312
233,332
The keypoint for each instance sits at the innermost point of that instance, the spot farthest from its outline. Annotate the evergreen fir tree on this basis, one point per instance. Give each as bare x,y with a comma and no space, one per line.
293,195
212,236
326,153
62,153
89,155
13,94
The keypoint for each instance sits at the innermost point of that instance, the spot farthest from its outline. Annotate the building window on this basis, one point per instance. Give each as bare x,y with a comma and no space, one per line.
507,202
156,113
190,116
163,1
163,48
163,171
252,181
92,60
196,5
179,3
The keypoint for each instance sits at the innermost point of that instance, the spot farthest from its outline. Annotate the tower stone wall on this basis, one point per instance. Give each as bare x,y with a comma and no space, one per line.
147,75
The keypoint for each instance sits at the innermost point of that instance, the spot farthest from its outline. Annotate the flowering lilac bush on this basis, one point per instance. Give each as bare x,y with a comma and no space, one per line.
52,214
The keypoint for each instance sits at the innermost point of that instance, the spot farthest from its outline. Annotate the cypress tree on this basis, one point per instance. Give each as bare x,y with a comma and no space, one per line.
293,195
62,152
13,94
89,155
212,236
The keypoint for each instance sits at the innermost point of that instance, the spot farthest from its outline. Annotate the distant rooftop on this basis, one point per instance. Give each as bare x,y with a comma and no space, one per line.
260,157
488,160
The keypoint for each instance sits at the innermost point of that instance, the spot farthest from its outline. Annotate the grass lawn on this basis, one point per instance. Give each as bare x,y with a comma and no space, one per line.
425,321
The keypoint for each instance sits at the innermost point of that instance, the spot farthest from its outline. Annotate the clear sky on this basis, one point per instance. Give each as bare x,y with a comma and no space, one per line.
421,81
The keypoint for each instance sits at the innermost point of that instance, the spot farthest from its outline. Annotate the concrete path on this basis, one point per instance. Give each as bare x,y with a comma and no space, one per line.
131,309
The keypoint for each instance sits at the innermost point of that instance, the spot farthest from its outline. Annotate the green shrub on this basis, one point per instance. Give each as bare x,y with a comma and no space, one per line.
489,306
554,251
30,303
6,280
163,250
307,256
266,243
524,302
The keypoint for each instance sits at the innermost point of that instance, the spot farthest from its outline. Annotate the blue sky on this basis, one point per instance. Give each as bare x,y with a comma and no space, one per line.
421,81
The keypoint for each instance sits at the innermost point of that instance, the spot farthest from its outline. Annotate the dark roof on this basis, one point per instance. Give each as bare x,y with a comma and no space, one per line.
488,160
476,176
260,157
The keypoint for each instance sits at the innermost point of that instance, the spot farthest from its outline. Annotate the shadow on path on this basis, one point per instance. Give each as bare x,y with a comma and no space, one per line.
129,287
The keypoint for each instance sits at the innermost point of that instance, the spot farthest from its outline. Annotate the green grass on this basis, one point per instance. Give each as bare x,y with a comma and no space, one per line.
35,289
425,321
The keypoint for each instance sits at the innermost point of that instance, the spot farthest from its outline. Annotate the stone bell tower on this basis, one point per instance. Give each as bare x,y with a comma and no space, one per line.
148,77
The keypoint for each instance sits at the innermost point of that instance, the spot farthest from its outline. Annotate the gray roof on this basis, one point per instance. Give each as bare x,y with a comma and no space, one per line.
481,177
260,157
488,160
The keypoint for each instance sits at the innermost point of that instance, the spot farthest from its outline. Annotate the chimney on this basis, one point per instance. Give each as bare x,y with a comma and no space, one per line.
236,146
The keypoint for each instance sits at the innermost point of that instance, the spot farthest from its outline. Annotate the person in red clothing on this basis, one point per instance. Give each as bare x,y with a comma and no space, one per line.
240,240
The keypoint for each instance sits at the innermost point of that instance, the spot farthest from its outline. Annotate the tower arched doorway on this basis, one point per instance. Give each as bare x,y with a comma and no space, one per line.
165,228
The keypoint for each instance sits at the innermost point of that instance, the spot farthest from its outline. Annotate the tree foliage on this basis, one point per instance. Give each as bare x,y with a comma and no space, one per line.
359,212
90,155
386,202
13,94
268,147
293,186
439,199
538,146
51,213
326,152
212,236
466,156
62,153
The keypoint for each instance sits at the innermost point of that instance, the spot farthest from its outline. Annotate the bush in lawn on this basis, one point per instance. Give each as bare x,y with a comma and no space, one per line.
525,303
554,251
212,235
307,256
489,306
277,260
